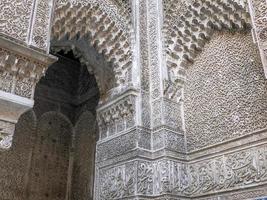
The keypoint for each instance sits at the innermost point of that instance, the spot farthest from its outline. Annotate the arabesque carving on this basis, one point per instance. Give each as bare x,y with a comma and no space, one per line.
189,26
6,134
139,51
15,19
19,74
225,172
117,116
102,25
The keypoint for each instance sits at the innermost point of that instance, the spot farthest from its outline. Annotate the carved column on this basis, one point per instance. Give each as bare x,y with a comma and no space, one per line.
24,57
166,94
124,122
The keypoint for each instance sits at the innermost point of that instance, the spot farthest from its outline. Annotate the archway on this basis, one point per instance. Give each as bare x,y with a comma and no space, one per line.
99,34
94,63
65,102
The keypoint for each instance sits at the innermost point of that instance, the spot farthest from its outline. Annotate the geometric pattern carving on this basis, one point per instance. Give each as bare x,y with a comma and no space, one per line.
227,172
142,169
19,74
15,18
117,116
187,33
102,26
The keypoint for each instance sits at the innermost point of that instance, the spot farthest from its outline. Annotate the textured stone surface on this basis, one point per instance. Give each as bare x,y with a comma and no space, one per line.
84,156
225,91
15,162
48,175
170,78
15,18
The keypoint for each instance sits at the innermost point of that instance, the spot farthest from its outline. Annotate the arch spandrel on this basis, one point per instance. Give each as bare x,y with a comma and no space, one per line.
188,28
103,25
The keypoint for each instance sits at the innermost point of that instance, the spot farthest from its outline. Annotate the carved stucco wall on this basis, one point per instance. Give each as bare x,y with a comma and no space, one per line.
219,177
225,91
105,27
27,22
17,16
14,165
165,177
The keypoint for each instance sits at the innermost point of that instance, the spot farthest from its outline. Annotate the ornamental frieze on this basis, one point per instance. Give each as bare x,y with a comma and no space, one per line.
19,74
227,172
117,116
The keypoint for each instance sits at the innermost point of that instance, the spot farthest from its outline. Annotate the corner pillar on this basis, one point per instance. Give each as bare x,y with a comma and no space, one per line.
142,127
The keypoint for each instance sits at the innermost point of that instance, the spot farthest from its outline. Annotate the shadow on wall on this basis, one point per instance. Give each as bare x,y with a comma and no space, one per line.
47,159
15,163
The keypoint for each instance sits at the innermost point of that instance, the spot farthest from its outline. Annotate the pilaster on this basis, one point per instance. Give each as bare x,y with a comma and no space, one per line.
141,126
165,95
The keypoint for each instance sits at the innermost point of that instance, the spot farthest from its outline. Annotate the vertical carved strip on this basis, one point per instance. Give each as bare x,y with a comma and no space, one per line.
155,47
258,11
141,17
40,33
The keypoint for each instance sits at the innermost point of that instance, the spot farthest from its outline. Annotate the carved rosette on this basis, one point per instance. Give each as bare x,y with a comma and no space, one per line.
117,115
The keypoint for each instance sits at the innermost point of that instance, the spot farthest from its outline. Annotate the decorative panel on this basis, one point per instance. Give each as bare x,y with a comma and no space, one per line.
15,17
225,92
40,35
